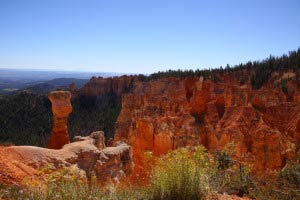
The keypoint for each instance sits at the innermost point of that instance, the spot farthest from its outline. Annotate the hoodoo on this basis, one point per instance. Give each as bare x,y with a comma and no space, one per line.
61,108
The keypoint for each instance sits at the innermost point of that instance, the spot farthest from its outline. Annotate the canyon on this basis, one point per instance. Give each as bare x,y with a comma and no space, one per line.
258,126
261,127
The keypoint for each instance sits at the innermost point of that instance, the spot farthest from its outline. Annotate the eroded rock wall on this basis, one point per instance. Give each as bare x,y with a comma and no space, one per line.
263,124
98,86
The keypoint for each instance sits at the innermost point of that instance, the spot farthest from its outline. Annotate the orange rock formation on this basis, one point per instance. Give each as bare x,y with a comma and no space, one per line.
263,124
61,108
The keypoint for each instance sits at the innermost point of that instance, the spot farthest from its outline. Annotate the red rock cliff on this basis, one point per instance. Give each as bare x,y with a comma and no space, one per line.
263,125
115,85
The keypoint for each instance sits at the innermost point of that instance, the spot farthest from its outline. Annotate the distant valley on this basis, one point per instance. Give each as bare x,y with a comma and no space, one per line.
16,80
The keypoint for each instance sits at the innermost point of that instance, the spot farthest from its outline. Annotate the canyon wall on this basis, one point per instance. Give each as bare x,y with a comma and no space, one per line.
262,126
98,86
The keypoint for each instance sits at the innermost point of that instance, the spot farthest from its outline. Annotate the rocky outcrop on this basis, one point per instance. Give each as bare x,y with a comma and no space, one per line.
86,153
98,86
114,164
61,108
262,125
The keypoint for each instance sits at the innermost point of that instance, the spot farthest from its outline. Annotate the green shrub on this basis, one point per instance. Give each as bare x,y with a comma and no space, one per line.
285,187
182,174
233,177
290,175
223,159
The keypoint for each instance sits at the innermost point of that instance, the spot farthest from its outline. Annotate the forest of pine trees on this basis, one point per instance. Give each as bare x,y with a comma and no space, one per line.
259,71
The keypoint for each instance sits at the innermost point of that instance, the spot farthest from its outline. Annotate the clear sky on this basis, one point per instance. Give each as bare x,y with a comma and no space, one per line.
144,36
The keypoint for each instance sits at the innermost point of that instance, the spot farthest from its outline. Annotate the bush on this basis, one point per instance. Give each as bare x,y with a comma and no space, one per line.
290,175
285,187
224,160
233,177
182,174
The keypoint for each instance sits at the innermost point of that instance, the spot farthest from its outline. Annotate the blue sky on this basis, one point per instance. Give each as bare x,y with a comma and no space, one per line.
144,36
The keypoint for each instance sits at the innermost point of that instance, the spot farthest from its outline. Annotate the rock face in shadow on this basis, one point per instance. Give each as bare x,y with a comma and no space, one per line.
262,125
88,154
61,108
98,86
